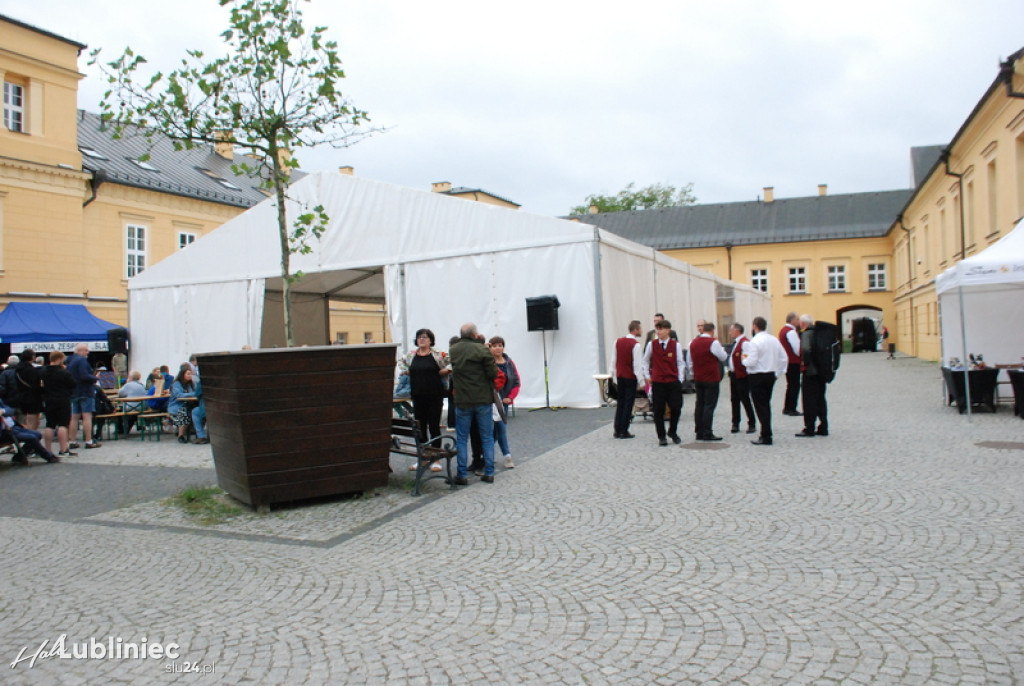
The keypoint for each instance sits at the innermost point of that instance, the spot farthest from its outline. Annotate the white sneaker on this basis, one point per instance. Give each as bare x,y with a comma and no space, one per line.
509,464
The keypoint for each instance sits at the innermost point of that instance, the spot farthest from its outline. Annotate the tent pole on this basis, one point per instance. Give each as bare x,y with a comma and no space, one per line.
598,303
964,361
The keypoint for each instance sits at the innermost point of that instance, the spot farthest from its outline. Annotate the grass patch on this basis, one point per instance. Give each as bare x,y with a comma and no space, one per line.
207,505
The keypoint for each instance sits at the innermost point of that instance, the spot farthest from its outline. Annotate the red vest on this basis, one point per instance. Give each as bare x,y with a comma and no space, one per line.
664,363
705,365
624,357
793,355
738,369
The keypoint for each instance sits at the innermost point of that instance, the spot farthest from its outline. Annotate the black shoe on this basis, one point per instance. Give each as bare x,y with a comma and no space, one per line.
735,429
461,481
487,479
760,441
476,465
675,438
805,434
52,458
662,441
752,429
794,413
618,435
822,432
627,435
20,459
711,437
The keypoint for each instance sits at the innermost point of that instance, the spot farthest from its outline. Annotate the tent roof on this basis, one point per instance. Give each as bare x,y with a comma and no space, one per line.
22,322
1000,263
371,224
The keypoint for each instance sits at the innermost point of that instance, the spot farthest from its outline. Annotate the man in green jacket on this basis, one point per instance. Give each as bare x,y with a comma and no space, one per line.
474,371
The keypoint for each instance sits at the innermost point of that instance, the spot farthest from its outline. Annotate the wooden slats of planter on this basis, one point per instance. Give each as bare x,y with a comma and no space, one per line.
298,423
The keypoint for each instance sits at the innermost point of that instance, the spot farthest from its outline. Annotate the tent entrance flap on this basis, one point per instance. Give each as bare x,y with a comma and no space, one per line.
310,319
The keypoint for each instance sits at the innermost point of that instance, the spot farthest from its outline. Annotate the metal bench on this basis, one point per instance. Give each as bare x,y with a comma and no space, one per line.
405,440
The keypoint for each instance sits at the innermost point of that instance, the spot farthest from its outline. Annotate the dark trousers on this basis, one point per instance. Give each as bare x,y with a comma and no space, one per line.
704,407
815,405
427,411
624,408
739,394
792,387
761,386
666,394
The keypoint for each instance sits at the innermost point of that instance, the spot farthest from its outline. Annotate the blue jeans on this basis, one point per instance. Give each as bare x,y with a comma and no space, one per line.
501,437
198,419
464,418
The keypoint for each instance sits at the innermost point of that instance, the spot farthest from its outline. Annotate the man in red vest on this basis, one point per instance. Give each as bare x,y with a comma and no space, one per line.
663,368
789,337
706,358
627,358
739,384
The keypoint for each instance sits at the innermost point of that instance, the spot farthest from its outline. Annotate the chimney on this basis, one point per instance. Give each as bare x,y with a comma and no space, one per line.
347,170
769,193
441,186
223,147
594,209
822,189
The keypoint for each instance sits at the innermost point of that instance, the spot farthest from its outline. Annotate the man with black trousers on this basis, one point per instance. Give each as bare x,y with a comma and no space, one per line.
789,337
663,367
765,360
705,359
627,358
739,382
814,381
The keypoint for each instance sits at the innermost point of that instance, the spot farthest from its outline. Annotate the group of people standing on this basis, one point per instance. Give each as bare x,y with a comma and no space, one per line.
480,382
662,364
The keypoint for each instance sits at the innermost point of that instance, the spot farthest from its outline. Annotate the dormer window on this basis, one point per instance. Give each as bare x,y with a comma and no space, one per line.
89,152
222,181
142,165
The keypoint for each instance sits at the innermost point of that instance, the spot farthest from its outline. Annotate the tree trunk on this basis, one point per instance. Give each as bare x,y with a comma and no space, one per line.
282,229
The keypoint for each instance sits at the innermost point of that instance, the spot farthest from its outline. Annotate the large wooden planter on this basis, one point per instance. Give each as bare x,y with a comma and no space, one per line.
297,423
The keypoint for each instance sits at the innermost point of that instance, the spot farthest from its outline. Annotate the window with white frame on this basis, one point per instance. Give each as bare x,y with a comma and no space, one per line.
14,106
341,338
135,249
367,337
797,279
759,279
876,277
185,239
836,278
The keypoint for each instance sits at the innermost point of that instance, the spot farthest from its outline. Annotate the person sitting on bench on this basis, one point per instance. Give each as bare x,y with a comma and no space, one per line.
25,436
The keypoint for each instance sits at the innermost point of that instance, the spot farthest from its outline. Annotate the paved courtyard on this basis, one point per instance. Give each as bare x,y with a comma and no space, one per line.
889,553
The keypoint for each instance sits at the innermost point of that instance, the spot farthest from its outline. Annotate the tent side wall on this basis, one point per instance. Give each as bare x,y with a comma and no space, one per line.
992,323
490,290
169,323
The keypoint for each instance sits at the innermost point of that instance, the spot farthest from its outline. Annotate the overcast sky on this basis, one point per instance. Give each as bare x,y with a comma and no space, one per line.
546,102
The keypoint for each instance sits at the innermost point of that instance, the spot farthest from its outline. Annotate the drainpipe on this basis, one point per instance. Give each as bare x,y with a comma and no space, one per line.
910,284
728,254
960,189
98,177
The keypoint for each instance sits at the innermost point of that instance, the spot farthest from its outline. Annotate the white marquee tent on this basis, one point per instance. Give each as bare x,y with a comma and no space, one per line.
981,300
437,262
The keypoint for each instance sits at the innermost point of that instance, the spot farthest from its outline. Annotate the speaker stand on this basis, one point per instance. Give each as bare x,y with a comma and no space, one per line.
547,388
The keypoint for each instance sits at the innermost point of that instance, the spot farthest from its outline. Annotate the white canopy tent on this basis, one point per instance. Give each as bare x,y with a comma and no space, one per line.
437,262
981,302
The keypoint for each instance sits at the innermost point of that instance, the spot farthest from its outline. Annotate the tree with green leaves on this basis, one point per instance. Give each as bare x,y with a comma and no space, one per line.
629,198
274,91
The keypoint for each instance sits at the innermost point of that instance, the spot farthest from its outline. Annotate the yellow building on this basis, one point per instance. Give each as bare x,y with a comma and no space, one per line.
79,214
971,196
826,255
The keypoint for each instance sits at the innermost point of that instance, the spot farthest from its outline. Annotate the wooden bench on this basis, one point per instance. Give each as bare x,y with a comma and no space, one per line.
405,440
152,422
109,422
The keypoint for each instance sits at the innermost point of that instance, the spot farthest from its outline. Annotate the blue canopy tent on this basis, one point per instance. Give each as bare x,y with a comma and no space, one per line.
48,322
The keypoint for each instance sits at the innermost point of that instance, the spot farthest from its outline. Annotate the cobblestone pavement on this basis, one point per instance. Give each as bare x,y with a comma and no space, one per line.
888,552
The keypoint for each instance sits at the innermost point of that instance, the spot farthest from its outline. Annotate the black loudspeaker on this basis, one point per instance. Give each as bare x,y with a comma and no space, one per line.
542,313
117,340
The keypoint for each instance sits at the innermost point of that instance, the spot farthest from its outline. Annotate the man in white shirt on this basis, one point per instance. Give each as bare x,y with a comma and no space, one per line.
663,368
627,365
765,360
705,360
